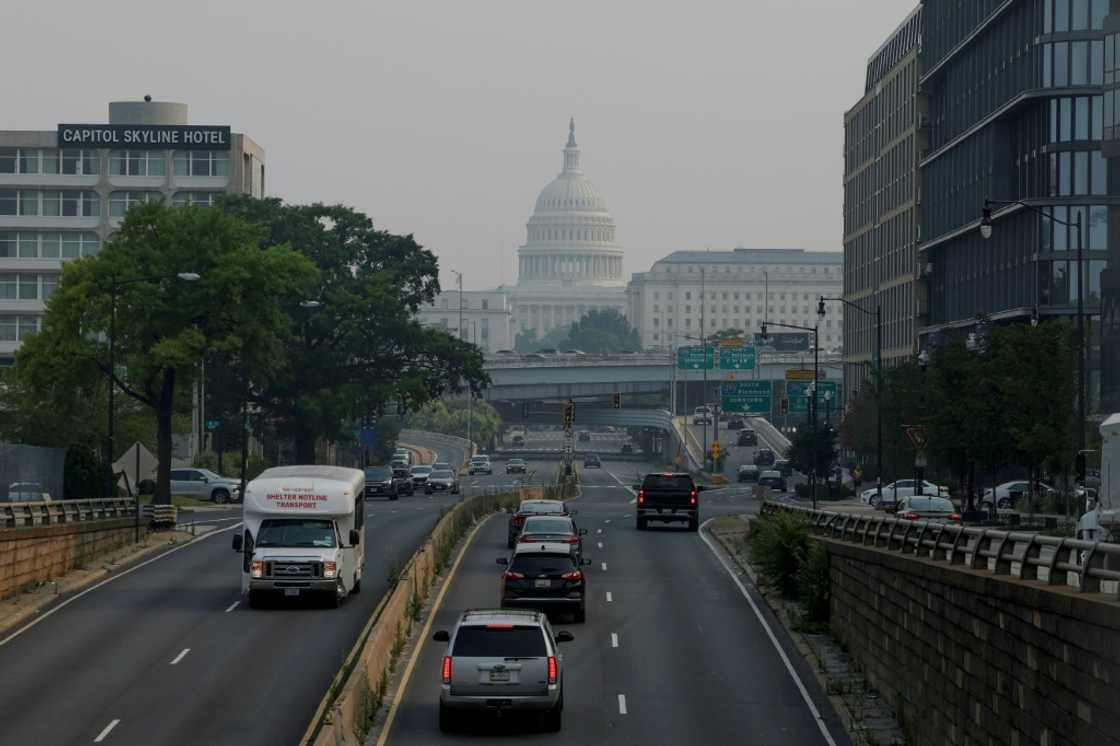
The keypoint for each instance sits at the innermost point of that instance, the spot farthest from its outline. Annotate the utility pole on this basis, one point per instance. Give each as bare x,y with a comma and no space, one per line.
704,341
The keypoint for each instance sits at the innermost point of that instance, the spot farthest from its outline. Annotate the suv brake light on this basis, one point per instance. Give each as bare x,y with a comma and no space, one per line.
955,517
511,575
692,497
641,497
574,576
518,519
447,669
552,669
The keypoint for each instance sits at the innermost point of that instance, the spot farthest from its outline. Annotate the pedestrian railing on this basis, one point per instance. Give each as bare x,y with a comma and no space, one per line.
1088,566
54,512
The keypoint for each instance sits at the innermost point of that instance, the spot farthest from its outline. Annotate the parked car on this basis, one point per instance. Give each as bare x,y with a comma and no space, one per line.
480,465
509,655
443,480
784,466
591,461
764,457
735,423
935,509
749,473
584,436
530,508
402,477
518,440
27,492
773,479
545,577
516,466
627,448
897,490
203,484
1008,493
552,529
380,482
420,474
748,438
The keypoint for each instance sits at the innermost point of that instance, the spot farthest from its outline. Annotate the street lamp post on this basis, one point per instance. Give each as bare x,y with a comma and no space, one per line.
115,286
878,314
919,456
986,226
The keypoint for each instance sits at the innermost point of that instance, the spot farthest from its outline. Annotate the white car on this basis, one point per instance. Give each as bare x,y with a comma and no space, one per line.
480,465
1007,492
895,491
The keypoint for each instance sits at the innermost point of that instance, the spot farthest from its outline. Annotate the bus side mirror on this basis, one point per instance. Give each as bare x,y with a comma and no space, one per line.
355,537
237,542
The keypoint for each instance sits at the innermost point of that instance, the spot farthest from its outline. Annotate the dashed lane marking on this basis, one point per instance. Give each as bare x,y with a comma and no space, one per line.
232,606
108,729
604,567
614,639
622,704
600,545
180,656
610,598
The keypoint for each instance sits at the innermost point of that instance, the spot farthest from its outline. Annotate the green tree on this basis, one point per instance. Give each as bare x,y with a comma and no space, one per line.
361,349
801,448
164,326
602,332
450,416
729,333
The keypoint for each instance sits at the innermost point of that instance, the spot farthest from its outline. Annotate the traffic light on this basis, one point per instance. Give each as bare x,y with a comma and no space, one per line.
715,451
783,405
569,414
616,400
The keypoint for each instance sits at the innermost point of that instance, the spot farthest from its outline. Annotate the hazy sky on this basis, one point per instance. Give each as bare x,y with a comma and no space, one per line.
706,124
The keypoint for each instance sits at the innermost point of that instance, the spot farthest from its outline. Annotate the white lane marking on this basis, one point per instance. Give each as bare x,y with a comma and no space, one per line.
110,579
621,484
600,545
622,704
107,731
769,633
598,530
614,639
180,656
633,501
232,606
204,523
626,516
610,598
604,566
607,521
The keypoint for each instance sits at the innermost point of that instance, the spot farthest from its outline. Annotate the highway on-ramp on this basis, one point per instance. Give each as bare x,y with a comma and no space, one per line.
673,651
167,653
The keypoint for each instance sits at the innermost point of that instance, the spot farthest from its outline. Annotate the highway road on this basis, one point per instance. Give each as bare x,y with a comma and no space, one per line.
167,654
673,651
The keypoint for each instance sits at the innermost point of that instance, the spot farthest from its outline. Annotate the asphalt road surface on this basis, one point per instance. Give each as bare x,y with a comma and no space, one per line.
169,654
672,651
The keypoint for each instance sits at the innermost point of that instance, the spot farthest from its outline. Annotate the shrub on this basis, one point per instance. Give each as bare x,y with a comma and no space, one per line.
813,582
777,540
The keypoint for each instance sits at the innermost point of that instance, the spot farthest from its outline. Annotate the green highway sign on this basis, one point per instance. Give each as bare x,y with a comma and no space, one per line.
798,393
693,358
212,424
736,358
750,397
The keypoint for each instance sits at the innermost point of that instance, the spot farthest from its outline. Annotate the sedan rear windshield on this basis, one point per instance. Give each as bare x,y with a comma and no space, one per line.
937,504
542,507
378,472
442,475
543,525
662,482
542,564
498,641
421,470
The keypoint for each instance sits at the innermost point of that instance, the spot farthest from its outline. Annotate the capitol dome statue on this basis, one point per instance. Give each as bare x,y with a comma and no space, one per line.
570,238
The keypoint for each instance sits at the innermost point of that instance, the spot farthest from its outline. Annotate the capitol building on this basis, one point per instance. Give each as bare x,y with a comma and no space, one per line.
569,265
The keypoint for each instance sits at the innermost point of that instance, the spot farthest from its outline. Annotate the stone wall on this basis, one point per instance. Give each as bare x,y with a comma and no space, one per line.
967,657
35,554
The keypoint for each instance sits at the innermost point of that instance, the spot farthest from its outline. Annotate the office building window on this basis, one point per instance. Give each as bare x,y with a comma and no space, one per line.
202,163
485,306
194,199
120,202
17,286
137,163
28,202
47,244
48,161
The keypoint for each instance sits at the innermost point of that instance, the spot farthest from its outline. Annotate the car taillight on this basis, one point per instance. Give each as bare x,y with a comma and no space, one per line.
692,497
552,669
574,576
641,497
447,669
518,519
911,516
511,575
954,517
571,540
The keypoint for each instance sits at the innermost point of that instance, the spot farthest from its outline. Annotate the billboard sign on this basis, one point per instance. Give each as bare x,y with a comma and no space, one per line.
783,341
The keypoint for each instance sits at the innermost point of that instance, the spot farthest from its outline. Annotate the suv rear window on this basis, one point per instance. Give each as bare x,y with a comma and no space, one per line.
547,525
542,564
672,482
541,507
378,472
499,642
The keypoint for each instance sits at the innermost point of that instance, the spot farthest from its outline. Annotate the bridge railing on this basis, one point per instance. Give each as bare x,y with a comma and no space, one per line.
55,512
1088,566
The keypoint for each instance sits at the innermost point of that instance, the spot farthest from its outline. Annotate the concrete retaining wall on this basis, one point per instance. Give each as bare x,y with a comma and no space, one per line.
35,554
966,657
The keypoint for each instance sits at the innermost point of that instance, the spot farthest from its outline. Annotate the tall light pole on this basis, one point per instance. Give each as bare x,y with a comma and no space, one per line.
878,314
986,232
115,286
704,338
459,277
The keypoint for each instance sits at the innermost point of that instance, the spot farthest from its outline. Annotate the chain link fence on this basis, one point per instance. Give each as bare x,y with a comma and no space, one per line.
29,472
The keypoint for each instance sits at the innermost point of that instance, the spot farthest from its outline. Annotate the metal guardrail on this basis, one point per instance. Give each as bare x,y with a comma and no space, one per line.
56,512
1084,565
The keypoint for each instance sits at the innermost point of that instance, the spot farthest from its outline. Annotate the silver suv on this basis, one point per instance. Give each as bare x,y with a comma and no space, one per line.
502,660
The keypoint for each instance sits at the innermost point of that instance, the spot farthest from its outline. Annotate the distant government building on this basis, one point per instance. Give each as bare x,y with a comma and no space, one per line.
63,192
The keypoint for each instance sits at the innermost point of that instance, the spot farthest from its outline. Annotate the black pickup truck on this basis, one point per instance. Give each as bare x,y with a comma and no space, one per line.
668,496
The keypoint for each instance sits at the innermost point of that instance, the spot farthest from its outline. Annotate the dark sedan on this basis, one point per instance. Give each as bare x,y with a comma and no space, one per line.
529,508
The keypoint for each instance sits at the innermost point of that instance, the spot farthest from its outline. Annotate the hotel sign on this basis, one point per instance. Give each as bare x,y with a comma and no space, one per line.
144,136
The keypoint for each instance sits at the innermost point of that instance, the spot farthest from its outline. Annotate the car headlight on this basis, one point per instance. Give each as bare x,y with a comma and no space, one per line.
256,569
330,569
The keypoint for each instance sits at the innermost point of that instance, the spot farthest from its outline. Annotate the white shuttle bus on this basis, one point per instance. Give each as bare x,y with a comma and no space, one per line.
304,533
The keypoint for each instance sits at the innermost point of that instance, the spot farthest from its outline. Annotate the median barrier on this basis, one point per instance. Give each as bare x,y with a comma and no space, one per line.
344,717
